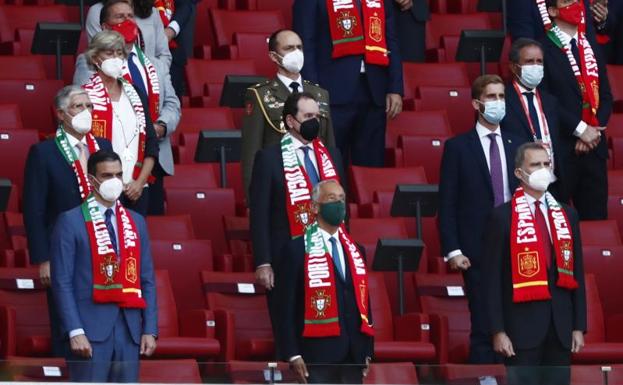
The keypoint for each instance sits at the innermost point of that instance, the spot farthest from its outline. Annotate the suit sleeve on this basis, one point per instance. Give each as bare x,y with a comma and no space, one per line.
395,84
449,190
579,294
63,257
260,198
290,295
305,25
171,108
520,20
252,135
493,252
163,54
82,72
34,197
151,140
420,10
183,11
148,280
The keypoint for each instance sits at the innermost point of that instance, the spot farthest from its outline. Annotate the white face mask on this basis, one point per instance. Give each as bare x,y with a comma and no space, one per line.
81,122
293,61
110,190
540,179
495,110
113,67
531,75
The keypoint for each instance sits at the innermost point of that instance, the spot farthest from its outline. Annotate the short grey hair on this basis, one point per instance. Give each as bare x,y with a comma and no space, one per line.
318,187
64,96
520,156
103,41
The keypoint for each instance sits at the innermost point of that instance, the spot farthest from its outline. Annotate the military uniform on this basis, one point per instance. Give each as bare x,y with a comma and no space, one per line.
263,125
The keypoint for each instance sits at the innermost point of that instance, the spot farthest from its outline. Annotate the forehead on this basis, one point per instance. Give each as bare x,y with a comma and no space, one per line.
494,88
530,51
79,99
288,38
308,105
535,155
120,8
108,167
332,189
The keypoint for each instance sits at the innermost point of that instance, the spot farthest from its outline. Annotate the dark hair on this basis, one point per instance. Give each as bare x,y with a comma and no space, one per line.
101,156
482,82
143,8
106,8
520,155
551,3
272,40
291,105
520,44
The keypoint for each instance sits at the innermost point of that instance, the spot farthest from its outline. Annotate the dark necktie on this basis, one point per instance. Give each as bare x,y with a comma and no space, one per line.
575,51
309,167
295,87
534,117
336,257
111,229
543,232
137,79
497,179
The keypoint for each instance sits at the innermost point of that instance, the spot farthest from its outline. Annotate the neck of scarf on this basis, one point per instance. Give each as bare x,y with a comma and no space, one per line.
73,160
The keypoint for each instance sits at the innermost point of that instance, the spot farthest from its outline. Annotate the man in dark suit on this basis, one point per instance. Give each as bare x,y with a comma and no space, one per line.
534,277
280,211
411,18
109,310
585,107
352,51
475,177
52,184
181,29
327,269
532,114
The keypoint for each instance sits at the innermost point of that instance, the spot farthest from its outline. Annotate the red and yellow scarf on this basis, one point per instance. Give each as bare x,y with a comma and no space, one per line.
351,36
321,307
116,277
297,184
70,156
528,262
166,9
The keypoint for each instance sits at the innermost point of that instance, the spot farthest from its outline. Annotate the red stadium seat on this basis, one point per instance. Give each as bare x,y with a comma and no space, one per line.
391,373
617,152
423,151
252,372
239,240
14,17
197,119
254,46
450,45
600,233
29,93
30,369
417,123
615,209
207,209
226,23
606,264
444,295
456,99
204,33
596,374
193,176
169,372
14,146
365,181
191,335
184,260
10,117
615,75
22,68
176,227
24,323
241,312
434,74
470,374
205,78
451,24
615,125
285,6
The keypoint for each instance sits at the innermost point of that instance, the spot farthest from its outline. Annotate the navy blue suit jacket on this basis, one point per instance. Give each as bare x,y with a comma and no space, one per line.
466,194
291,324
50,187
72,282
340,76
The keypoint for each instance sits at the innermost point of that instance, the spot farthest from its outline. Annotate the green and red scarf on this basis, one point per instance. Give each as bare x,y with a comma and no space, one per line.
321,307
353,35
528,264
72,159
116,277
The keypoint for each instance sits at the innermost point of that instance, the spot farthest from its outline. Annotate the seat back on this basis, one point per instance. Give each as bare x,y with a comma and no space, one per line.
10,117
29,93
175,227
381,309
615,182
365,181
198,176
417,123
14,146
29,369
14,17
615,75
226,23
435,74
600,233
177,371
197,119
367,231
391,373
452,98
253,372
606,264
22,67
423,151
594,314
201,73
453,24
254,46
168,324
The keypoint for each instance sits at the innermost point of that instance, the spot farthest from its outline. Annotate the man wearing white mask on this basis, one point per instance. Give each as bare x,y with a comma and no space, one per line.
103,280
534,277
532,113
476,170
262,124
55,181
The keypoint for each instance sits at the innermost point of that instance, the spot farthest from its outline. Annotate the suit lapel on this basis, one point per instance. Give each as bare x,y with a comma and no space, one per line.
476,148
563,65
515,102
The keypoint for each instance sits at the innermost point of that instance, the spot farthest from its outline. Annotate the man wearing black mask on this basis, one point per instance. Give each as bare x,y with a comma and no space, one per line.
280,211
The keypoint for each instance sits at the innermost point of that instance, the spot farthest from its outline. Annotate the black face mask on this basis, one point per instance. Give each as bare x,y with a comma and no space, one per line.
309,129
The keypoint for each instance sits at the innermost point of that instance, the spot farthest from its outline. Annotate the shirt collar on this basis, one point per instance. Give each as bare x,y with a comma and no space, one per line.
523,89
104,208
326,236
484,131
298,144
73,141
287,81
567,38
530,199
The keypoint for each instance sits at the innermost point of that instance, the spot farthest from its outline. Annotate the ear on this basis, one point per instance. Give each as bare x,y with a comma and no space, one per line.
290,121
515,68
476,104
273,56
60,114
315,208
518,173
553,12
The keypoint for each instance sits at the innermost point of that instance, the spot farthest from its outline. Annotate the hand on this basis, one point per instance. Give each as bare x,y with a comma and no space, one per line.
460,262
80,346
405,4
300,370
265,276
503,345
393,105
591,137
577,341
581,148
44,274
160,131
170,33
600,11
134,190
148,345
367,368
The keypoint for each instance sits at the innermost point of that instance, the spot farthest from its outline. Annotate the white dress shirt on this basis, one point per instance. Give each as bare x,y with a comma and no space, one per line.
566,42
298,145
340,250
543,206
537,105
73,143
125,133
287,81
